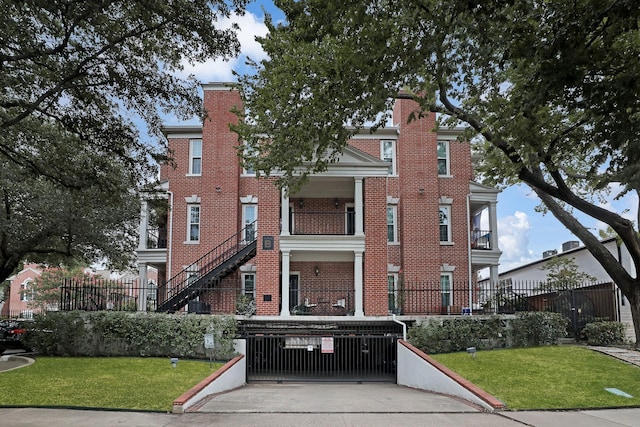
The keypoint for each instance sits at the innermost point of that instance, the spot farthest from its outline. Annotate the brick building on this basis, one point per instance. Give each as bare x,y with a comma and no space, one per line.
397,225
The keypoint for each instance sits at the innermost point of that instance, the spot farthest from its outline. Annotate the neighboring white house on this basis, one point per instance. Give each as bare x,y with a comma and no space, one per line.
533,273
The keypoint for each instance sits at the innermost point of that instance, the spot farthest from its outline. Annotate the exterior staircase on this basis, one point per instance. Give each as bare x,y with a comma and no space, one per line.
204,273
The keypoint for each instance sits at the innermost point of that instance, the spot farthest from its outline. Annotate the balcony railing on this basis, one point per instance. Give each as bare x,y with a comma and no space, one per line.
339,223
481,239
156,238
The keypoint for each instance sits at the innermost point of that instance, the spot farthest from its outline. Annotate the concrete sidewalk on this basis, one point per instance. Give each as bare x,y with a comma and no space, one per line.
312,405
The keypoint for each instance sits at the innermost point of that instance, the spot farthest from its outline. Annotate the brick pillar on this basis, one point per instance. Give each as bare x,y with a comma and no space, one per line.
268,260
375,257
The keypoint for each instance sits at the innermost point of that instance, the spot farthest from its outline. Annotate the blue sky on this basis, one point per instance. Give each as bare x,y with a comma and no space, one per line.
524,233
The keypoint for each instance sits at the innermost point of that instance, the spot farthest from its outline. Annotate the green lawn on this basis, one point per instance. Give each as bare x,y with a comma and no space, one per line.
558,377
125,383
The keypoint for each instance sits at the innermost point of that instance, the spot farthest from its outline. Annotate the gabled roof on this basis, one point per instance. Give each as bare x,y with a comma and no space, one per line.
353,162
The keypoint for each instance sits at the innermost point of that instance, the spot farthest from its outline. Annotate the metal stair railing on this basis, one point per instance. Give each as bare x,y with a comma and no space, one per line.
203,273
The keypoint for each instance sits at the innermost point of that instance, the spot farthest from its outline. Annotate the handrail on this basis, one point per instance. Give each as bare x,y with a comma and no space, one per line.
209,261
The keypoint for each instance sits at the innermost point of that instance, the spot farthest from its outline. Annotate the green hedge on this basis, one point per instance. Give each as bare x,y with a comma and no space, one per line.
604,333
106,333
457,334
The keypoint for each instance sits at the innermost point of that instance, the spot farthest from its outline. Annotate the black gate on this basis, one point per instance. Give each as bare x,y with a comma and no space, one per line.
313,357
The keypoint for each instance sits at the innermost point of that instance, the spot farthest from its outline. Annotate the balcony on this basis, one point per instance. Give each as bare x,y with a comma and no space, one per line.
341,223
481,239
156,238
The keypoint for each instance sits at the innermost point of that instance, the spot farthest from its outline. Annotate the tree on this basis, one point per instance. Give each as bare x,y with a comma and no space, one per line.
563,273
81,76
45,289
549,91
46,221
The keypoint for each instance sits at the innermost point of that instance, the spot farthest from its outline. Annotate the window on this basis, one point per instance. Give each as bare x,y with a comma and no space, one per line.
392,226
195,157
445,223
248,152
443,158
249,284
394,303
26,292
445,289
249,217
194,223
388,154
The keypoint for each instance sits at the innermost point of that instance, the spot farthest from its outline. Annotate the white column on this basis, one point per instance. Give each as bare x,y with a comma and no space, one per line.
284,213
144,225
359,207
142,283
285,284
493,225
493,282
357,279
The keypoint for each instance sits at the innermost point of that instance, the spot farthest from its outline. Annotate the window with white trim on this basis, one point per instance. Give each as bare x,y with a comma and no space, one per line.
248,152
26,291
193,231
443,158
446,291
445,223
249,217
388,154
195,157
392,224
249,284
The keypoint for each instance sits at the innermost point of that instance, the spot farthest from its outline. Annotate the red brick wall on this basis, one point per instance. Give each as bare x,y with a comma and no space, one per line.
220,169
375,256
268,261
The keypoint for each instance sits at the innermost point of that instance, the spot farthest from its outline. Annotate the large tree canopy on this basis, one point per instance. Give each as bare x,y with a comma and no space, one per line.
551,89
77,78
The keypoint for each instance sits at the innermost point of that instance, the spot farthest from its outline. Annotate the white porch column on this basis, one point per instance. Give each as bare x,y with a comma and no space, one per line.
144,225
142,283
493,226
285,283
357,280
284,213
493,282
359,207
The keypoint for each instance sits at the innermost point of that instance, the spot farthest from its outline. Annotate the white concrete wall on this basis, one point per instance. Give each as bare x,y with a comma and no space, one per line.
232,378
414,371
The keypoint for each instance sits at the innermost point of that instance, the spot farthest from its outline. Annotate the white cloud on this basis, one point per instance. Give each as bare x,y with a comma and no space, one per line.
215,70
514,240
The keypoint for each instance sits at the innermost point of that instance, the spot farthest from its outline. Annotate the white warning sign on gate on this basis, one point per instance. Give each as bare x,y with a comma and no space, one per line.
327,345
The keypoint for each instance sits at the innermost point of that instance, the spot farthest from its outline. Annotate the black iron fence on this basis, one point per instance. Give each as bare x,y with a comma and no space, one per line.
97,293
597,300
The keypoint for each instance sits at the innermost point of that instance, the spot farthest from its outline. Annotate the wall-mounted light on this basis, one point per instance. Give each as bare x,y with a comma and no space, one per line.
336,203
316,270
421,190
301,203
218,189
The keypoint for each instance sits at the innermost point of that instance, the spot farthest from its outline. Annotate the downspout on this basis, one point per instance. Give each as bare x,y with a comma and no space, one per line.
404,326
170,232
469,253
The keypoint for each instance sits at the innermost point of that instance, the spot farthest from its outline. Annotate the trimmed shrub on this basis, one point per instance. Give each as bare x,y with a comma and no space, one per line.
457,334
536,328
604,333
106,333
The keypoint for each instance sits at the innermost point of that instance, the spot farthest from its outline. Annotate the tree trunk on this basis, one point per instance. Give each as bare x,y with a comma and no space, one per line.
634,302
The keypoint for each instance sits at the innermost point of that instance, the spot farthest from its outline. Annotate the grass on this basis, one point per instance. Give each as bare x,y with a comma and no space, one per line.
149,384
558,377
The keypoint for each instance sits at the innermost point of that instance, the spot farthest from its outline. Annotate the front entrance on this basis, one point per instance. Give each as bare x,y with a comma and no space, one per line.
294,290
